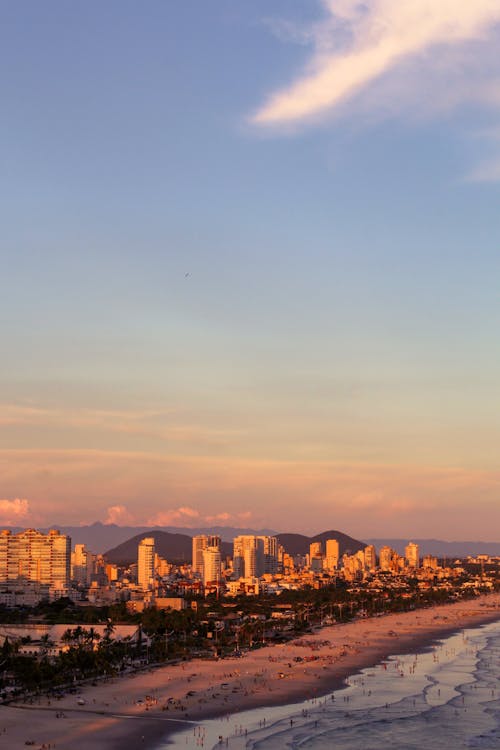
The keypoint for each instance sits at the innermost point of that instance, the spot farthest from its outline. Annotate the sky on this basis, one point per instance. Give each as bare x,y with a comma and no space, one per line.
251,265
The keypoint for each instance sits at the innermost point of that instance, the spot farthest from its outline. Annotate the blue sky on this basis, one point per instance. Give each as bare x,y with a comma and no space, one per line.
243,274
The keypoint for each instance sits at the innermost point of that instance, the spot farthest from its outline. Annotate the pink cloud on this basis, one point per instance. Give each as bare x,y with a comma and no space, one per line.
382,34
218,517
13,511
177,516
119,515
224,517
364,499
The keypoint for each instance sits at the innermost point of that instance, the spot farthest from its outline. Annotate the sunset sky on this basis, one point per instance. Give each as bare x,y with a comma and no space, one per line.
251,265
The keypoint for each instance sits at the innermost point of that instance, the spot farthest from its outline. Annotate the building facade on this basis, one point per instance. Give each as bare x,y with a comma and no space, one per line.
253,556
146,564
200,543
412,555
332,554
34,557
211,566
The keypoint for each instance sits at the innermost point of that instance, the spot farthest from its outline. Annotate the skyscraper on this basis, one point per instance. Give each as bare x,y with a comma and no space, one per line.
370,557
146,564
254,555
386,553
33,556
82,563
412,555
315,548
211,566
332,554
200,543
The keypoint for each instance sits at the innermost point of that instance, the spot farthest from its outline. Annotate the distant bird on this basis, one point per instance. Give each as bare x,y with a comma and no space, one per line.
186,275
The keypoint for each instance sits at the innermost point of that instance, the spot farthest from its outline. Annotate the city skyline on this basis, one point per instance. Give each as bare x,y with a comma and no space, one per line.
252,266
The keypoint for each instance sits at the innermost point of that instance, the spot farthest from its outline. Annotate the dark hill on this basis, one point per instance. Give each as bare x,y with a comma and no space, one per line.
298,544
178,547
172,547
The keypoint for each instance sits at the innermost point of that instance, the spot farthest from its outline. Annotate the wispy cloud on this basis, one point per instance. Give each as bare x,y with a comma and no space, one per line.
356,43
161,425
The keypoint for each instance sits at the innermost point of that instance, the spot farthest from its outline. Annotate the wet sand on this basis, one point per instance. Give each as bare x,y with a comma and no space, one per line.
141,710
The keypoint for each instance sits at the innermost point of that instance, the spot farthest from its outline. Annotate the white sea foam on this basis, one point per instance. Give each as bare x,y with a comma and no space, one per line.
448,696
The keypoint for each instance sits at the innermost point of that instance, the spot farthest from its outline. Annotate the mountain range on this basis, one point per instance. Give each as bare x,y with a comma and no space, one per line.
178,547
99,537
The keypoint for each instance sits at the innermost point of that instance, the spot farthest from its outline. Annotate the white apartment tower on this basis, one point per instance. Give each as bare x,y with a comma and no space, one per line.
33,556
211,566
254,555
201,542
146,563
412,555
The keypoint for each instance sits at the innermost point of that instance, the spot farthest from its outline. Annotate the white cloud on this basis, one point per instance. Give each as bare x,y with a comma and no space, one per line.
188,517
13,511
119,514
226,518
218,517
357,43
183,516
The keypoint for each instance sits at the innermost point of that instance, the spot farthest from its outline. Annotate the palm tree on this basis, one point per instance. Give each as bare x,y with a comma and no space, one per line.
108,631
92,636
68,637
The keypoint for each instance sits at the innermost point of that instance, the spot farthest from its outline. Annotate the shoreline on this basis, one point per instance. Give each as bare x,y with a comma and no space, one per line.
137,707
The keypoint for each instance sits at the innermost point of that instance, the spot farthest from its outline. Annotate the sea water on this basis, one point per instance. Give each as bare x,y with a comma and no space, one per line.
446,697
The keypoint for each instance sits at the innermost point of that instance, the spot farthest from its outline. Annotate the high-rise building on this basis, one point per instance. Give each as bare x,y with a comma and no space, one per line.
370,557
332,554
353,565
360,556
412,555
316,563
315,548
271,554
211,566
385,557
288,564
33,556
254,555
82,565
162,566
111,572
146,564
316,556
430,562
200,543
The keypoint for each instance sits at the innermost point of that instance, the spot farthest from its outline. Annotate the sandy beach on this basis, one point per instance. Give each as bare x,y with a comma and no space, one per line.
140,710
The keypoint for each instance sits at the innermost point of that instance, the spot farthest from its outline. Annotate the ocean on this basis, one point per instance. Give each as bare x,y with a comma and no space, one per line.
446,697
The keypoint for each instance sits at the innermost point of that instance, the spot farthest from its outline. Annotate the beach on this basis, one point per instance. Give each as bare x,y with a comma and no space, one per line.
141,710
